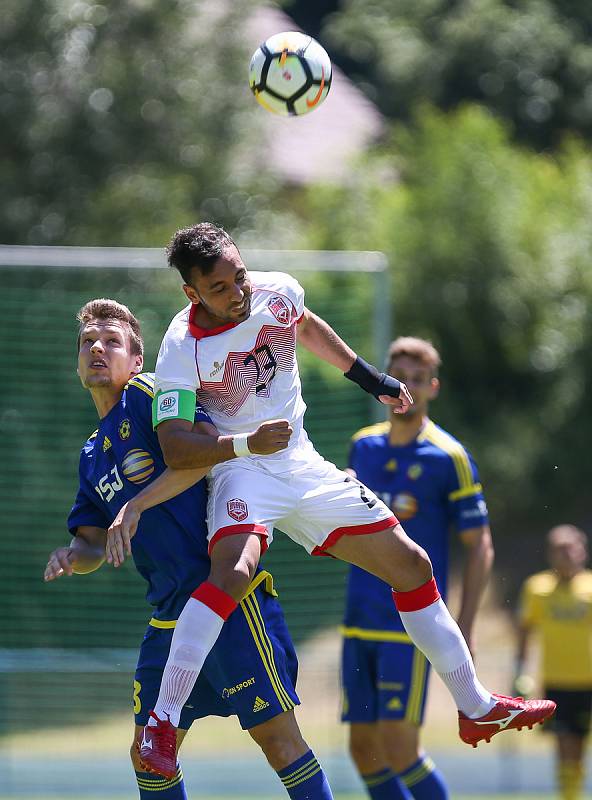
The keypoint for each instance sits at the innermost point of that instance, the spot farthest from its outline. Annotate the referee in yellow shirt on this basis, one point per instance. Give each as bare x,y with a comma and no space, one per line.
557,605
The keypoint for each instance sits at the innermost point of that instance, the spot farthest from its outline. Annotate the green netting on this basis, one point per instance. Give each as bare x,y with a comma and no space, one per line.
55,633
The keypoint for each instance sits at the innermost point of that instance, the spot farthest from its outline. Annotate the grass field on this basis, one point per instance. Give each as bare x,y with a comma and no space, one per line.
337,797
50,764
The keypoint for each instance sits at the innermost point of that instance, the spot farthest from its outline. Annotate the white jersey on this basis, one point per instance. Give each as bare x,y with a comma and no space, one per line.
243,373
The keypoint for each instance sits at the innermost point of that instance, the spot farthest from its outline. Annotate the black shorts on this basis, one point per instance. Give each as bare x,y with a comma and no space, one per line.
574,710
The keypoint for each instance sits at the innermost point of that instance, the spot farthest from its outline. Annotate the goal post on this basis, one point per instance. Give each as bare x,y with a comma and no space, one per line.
56,634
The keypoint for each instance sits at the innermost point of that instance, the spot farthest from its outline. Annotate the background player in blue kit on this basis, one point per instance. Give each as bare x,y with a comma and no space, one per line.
251,672
431,483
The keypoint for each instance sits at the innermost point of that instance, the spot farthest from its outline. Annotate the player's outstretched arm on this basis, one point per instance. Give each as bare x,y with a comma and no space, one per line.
523,683
185,447
319,337
85,554
121,531
477,567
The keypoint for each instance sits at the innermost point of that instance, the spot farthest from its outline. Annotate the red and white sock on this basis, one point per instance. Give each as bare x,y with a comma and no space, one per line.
436,634
196,631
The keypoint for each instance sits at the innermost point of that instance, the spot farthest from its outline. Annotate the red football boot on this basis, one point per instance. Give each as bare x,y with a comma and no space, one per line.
158,747
507,713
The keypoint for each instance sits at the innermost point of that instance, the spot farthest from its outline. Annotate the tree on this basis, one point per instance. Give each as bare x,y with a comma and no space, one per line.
530,62
120,122
489,247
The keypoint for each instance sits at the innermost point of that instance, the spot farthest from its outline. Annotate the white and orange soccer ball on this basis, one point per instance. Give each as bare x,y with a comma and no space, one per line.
290,74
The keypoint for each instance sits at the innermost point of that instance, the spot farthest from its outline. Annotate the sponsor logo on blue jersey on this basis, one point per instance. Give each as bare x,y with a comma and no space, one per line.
138,465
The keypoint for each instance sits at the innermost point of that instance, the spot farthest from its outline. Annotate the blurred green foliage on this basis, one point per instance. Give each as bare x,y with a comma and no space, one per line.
490,247
122,121
530,62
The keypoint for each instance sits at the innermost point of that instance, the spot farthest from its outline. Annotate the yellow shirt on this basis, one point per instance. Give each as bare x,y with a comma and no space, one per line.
561,612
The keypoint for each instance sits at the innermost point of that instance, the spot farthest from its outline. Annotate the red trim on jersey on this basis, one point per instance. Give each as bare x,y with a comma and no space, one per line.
216,599
300,318
197,365
419,598
201,333
354,530
233,530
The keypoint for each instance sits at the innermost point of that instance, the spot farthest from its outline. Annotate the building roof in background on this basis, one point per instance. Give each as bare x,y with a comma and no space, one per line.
319,145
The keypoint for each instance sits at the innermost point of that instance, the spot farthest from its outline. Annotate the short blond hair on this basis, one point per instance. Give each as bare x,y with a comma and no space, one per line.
420,350
105,309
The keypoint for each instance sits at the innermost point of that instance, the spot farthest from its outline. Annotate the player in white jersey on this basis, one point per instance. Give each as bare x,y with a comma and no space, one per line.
233,348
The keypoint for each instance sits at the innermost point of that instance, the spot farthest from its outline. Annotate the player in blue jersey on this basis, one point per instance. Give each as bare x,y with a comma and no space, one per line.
251,672
431,483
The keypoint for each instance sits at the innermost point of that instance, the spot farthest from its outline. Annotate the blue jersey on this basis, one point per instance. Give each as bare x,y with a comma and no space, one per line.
170,548
432,485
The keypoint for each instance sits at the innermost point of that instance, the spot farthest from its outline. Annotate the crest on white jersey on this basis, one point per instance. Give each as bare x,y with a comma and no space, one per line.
279,309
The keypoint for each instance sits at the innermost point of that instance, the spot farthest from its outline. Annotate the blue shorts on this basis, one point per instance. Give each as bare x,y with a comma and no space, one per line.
383,680
251,670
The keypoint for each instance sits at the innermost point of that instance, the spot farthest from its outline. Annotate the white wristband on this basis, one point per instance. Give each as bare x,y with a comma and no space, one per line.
240,444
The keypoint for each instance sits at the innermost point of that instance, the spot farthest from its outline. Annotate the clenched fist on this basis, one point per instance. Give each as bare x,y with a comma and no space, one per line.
270,437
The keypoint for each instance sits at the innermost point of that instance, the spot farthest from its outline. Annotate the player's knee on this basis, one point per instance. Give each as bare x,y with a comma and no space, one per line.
234,562
281,751
233,577
400,754
413,566
365,754
422,565
365,748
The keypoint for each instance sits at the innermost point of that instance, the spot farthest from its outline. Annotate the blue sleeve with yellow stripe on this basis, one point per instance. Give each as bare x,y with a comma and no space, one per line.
86,511
466,503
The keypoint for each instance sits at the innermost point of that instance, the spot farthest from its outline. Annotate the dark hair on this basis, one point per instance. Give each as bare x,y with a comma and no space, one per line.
199,246
420,350
104,309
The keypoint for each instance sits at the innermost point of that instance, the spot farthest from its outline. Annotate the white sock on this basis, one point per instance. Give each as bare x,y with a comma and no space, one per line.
437,635
195,634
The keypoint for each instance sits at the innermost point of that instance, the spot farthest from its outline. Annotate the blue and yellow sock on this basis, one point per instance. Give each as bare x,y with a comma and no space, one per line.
305,779
155,787
385,785
424,780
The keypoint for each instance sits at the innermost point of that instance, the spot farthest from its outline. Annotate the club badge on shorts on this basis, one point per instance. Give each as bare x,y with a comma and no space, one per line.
237,509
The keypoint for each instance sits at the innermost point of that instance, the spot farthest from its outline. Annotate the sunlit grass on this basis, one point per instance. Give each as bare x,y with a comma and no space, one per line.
283,796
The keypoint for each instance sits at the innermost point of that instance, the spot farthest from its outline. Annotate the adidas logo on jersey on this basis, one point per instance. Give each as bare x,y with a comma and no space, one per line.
260,704
106,444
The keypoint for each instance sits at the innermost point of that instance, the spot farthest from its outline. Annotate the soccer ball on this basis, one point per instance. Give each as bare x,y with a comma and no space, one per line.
290,74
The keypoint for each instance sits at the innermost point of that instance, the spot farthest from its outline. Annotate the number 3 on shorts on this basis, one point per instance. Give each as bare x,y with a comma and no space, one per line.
137,701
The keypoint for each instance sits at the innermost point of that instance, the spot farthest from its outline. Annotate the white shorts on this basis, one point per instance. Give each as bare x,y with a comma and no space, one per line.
315,506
